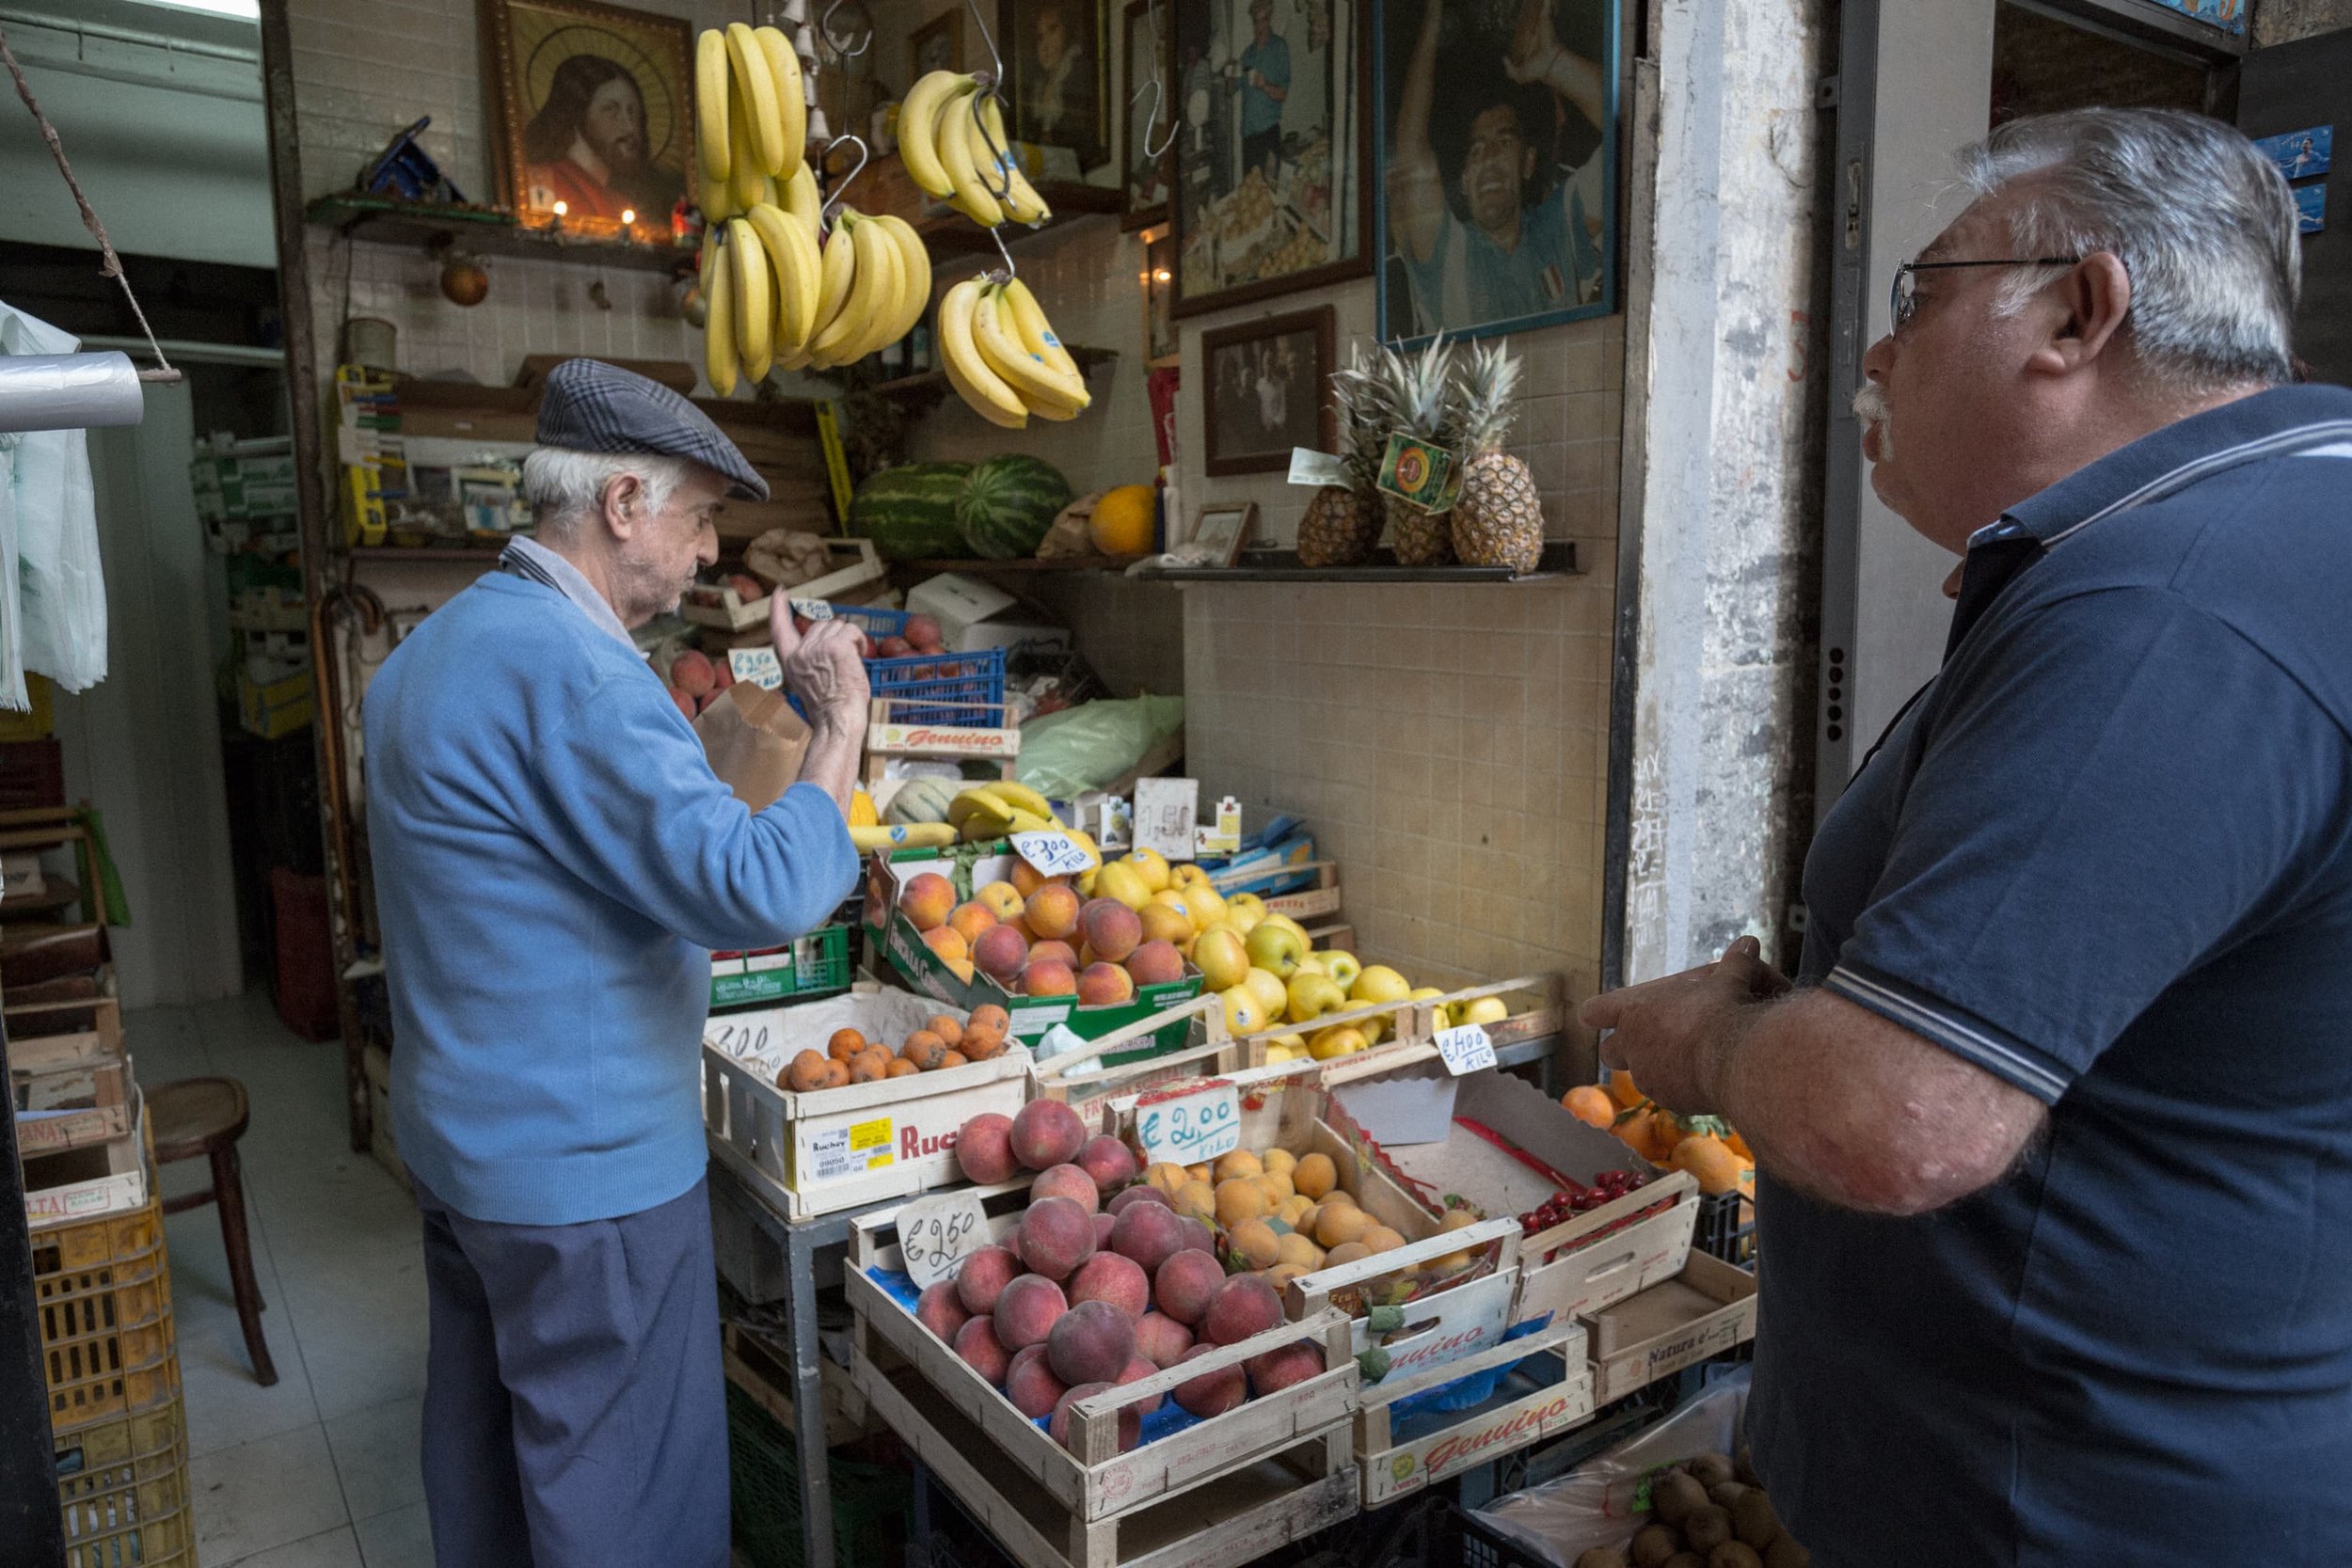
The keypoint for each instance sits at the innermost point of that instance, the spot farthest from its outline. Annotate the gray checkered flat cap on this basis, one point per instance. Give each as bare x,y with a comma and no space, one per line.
592,406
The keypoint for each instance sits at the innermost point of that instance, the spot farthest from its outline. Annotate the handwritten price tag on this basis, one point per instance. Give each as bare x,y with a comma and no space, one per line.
1466,1049
1199,1126
937,1233
816,609
1052,854
757,667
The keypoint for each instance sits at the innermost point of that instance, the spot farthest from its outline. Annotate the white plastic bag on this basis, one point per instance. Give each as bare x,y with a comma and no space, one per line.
60,614
1603,1501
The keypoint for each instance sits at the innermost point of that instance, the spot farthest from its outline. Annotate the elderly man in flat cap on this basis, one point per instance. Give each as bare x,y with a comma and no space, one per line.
553,857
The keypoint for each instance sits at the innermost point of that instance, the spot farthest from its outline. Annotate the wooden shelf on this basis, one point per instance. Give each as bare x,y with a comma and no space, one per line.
930,386
488,230
1559,560
1029,564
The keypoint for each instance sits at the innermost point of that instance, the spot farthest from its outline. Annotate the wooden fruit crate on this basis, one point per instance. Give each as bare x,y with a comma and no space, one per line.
1549,1395
1079,1080
1538,1005
909,1378
1710,1307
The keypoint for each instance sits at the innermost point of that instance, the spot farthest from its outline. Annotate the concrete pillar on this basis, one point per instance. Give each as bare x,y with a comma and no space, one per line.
1714,793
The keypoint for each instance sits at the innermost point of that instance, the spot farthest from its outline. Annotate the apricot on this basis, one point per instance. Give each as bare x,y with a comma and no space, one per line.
948,944
1197,1199
806,1072
946,1029
1237,1200
1337,1224
867,1066
1030,1383
1298,1251
980,1045
927,900
953,1058
836,1074
1257,1244
1347,1252
1068,1182
988,1015
1156,963
845,1045
1315,1175
1237,1165
1381,1239
984,1149
923,1049
969,920
1242,1306
1164,1178
1104,985
981,1278
1093,1342
1047,1134
901,1068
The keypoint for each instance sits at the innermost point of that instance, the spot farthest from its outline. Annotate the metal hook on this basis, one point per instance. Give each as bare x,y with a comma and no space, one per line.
1159,89
1000,158
865,155
996,61
997,234
824,30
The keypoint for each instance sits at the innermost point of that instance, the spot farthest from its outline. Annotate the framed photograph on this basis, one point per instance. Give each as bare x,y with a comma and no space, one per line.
1269,390
1222,532
1272,149
2300,154
594,107
1052,52
936,45
1147,72
1498,206
1159,277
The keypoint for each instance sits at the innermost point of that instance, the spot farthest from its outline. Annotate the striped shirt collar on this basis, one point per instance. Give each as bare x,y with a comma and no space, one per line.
529,558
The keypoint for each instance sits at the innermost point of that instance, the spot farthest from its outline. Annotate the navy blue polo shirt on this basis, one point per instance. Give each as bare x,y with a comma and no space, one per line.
2106,857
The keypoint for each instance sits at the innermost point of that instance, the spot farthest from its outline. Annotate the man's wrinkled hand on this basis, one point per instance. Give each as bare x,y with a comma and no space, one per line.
1669,1032
822,667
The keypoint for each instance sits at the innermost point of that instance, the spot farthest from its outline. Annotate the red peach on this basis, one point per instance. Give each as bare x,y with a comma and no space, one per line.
1140,1192
1130,1422
939,1309
1110,927
1277,1370
1242,1306
1001,953
1156,963
1070,1181
1028,1311
1182,1286
1056,1237
1048,977
685,703
690,673
1161,1340
1105,1223
1149,1234
923,632
1108,1161
1198,1236
1138,1368
981,1278
984,1149
982,1351
1093,1342
892,647
1120,1281
1046,1133
927,900
1104,985
1210,1393
1030,1383
1059,951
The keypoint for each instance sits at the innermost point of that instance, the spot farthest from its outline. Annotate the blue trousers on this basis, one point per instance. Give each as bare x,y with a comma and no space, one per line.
575,1413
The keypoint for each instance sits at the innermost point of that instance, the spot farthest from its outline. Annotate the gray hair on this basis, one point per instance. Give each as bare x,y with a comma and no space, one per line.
2201,220
562,485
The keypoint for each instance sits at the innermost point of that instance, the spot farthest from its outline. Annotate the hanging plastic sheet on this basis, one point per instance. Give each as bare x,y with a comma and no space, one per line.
52,602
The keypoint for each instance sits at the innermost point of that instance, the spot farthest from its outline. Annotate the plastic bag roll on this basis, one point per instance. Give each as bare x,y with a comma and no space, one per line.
68,392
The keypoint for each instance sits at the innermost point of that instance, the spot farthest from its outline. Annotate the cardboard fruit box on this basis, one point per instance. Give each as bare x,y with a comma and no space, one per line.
976,865
815,1152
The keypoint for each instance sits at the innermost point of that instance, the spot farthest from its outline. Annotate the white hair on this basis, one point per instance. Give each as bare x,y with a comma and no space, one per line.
2204,223
562,485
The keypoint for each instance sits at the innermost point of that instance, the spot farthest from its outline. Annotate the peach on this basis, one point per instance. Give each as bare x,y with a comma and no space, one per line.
1104,985
982,1277
1052,912
1277,1370
1108,1161
692,674
1028,1311
1128,1198
1001,899
927,900
1198,1236
1093,1342
1130,1421
969,920
1027,878
1242,1306
1056,1237
1068,1182
1161,1340
1138,1369
1111,929
1000,954
1059,951
1184,1283
940,1310
1030,1383
1149,1233
1104,1224
982,1351
1112,1278
948,944
1049,977
984,1149
1156,963
1210,1393
1046,1133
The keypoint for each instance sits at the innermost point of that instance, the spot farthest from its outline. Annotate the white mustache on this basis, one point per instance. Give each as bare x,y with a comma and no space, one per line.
1869,404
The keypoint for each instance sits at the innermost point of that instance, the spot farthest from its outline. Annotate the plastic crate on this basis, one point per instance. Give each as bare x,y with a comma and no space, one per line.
122,1489
102,1288
871,1513
816,966
962,678
1462,1538
1726,1228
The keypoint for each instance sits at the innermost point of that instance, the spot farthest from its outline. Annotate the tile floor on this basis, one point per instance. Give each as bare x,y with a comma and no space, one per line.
321,1470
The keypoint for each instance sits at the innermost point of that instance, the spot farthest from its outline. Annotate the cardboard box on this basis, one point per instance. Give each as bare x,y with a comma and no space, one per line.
1708,1308
21,876
276,709
83,1182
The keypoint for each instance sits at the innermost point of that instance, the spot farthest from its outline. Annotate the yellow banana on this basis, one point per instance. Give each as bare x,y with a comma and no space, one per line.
956,154
756,85
877,299
983,827
744,182
976,800
792,93
754,299
918,129
1022,798
710,106
837,272
1020,202
901,836
1037,386
800,196
792,255
713,198
1031,822
915,264
719,356
979,387
1037,333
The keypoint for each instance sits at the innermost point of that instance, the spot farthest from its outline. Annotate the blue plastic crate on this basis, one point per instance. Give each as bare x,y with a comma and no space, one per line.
915,680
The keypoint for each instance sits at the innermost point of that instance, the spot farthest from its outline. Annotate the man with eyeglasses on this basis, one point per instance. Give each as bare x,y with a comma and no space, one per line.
2054,1125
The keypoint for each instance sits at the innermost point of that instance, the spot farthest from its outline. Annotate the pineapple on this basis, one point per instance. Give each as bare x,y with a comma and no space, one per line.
1343,524
1497,519
1420,391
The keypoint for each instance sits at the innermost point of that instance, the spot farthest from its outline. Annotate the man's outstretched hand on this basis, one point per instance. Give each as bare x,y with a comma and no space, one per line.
821,666
1669,1032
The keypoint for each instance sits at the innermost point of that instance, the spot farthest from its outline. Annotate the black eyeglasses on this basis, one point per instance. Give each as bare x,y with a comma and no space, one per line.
1902,302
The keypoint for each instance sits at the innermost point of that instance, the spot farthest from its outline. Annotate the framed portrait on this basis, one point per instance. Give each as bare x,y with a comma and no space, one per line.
1268,390
936,45
1148,61
1159,277
1497,205
1271,151
1221,530
1053,62
594,107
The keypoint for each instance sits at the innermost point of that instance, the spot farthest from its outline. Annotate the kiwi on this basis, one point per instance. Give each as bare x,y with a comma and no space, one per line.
1753,1520
1785,1553
1726,1494
1674,1494
1710,1470
1653,1545
1734,1554
1743,1467
1601,1557
1686,1560
1707,1528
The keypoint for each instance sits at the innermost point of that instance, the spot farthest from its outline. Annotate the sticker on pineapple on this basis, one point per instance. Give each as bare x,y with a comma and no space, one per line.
1318,469
1421,475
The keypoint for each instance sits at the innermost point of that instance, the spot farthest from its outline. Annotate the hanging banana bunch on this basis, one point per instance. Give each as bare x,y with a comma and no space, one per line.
941,141
1002,357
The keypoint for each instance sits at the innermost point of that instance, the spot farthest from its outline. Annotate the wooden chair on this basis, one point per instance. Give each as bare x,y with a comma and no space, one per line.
207,1115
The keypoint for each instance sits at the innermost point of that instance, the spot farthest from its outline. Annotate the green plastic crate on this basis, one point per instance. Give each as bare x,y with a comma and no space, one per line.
872,1504
816,965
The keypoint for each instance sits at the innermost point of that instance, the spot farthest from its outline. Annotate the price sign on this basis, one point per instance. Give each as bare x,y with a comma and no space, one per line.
1466,1049
1317,468
1165,810
937,1233
1189,1129
1053,854
816,609
757,667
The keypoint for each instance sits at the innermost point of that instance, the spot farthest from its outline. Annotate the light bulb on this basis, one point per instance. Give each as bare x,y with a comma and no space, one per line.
628,214
562,208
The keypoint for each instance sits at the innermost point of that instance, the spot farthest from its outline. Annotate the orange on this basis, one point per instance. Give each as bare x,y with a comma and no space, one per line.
1639,1134
1666,1129
1710,1163
1739,1144
1621,1089
1590,1105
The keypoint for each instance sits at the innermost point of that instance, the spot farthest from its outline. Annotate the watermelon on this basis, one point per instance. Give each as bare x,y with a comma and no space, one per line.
1009,503
909,511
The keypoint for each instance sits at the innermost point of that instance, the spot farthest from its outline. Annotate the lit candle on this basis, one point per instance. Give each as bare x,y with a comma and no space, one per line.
562,208
628,216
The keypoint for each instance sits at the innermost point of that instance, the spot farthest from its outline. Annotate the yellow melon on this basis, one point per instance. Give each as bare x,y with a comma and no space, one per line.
1124,520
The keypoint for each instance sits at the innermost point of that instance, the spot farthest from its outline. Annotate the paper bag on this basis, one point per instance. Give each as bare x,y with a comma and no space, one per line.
754,742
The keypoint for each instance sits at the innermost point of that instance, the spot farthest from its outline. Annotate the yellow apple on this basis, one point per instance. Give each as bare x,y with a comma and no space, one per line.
1379,983
1486,1010
1244,1013
1208,906
1220,957
1313,995
1340,965
1188,876
1119,879
1153,865
1309,964
1293,926
1276,950
1342,1040
1272,993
